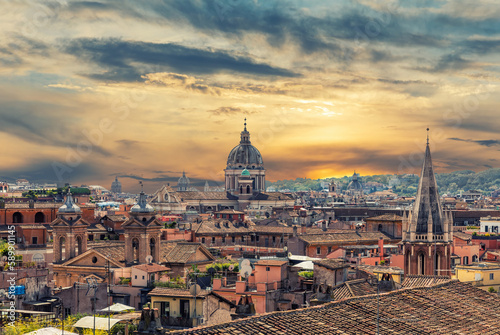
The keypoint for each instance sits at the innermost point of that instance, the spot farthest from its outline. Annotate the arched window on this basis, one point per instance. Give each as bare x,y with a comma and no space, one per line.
152,245
241,189
248,189
421,263
78,245
380,227
135,249
474,258
39,217
466,260
62,248
17,217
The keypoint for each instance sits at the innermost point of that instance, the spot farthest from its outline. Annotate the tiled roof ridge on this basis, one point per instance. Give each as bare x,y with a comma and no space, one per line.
323,306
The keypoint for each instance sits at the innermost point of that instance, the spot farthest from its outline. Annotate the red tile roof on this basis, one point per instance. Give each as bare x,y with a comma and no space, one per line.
447,308
270,262
151,268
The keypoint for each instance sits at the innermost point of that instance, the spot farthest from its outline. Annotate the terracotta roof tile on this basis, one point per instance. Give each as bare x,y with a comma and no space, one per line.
344,237
270,262
447,308
151,268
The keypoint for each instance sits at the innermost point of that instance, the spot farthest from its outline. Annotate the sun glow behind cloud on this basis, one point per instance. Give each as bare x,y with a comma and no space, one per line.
326,87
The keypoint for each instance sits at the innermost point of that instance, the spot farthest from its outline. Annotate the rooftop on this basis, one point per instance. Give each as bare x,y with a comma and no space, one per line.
446,308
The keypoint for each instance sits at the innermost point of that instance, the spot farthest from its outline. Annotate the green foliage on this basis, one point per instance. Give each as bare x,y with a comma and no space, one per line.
120,327
382,262
170,284
219,267
491,290
23,326
124,281
307,274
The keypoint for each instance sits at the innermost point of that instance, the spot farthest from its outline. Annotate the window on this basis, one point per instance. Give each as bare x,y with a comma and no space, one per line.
213,239
492,276
135,276
94,259
329,249
274,239
143,277
233,239
485,229
268,268
223,239
163,308
35,240
318,250
202,240
257,238
243,239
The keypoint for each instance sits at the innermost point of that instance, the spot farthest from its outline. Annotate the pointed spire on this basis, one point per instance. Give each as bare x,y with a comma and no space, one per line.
427,208
427,136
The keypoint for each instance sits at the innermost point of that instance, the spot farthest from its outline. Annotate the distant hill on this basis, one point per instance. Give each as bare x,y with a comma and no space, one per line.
451,183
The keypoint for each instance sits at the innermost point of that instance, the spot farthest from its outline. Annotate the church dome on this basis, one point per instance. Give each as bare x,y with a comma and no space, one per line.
69,205
142,205
245,155
245,173
355,184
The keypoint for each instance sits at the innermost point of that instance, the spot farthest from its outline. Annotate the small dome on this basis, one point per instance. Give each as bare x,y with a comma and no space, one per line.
355,184
142,205
245,173
69,205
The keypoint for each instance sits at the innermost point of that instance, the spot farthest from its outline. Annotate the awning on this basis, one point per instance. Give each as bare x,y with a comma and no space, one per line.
49,331
307,265
100,323
117,308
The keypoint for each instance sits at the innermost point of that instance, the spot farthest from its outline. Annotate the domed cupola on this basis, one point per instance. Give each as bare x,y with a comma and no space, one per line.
142,205
245,155
69,205
183,183
245,161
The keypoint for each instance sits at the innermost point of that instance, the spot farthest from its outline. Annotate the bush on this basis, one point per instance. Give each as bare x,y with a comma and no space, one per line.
491,290
307,274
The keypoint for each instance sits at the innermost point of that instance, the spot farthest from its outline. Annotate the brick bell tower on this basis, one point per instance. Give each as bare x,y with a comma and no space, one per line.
70,231
427,229
142,234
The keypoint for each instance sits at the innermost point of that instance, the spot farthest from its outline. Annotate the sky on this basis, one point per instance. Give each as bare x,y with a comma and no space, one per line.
143,90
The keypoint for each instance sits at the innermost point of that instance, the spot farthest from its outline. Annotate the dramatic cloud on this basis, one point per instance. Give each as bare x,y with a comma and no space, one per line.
327,87
129,60
486,143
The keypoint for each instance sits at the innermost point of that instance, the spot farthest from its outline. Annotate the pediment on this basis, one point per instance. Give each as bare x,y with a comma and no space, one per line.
87,259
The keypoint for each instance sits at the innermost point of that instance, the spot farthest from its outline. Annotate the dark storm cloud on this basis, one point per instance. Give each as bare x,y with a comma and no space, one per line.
170,179
482,46
129,60
448,63
486,143
43,124
43,172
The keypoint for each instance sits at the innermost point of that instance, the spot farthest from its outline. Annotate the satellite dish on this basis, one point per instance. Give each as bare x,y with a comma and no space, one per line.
231,267
290,255
245,268
195,290
149,259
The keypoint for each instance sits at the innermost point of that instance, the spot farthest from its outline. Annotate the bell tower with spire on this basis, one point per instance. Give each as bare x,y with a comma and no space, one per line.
70,231
427,229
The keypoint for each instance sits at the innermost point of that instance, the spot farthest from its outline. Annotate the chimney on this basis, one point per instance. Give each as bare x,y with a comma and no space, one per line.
381,248
323,225
294,231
